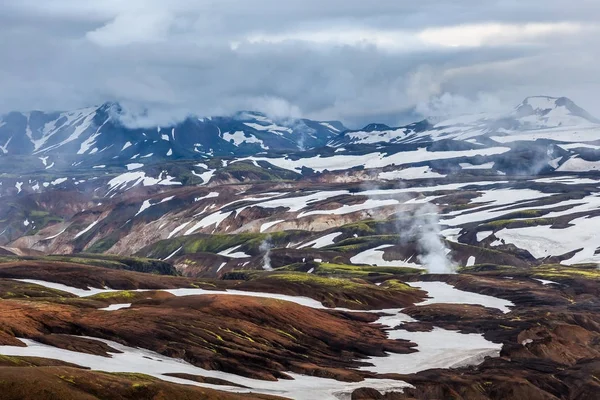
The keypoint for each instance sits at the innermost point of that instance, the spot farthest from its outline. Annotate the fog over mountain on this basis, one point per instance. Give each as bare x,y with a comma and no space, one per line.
334,60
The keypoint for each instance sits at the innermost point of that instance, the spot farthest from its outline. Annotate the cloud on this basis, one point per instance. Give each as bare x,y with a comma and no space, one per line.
467,35
131,28
448,104
478,35
348,60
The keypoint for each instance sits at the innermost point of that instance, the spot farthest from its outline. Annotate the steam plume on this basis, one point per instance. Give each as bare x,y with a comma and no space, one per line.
425,229
421,225
266,247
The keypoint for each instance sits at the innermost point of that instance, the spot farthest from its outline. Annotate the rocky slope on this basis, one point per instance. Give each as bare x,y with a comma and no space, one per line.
261,334
445,259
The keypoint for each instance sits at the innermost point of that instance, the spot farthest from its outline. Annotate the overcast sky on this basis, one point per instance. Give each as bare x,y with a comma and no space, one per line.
353,60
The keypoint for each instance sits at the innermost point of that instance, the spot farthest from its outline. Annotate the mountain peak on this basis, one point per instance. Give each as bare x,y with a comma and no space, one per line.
561,109
110,105
376,127
541,102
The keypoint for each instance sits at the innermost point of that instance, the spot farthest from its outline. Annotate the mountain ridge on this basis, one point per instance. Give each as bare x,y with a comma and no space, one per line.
92,130
87,148
101,129
557,112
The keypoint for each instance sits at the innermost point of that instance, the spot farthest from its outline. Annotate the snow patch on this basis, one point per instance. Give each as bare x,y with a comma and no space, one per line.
441,292
134,166
86,230
410,173
321,242
375,257
264,227
231,253
115,307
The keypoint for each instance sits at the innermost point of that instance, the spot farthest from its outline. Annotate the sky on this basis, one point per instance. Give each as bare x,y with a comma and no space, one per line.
350,60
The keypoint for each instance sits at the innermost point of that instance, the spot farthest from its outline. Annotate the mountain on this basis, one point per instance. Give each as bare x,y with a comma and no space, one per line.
544,111
225,258
536,117
98,132
541,133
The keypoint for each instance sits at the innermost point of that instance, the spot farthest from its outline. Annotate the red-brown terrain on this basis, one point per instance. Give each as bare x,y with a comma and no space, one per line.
418,266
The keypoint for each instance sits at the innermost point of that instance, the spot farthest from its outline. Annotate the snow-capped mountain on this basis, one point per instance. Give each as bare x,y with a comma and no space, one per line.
547,112
561,134
92,149
99,132
537,117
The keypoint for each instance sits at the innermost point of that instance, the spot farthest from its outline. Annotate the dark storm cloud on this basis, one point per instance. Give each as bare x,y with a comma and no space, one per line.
351,60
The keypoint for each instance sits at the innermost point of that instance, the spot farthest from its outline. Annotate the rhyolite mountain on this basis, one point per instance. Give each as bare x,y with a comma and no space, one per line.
246,258
536,116
98,132
541,134
50,201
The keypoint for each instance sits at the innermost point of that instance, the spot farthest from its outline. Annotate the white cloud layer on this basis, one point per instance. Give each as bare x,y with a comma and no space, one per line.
341,59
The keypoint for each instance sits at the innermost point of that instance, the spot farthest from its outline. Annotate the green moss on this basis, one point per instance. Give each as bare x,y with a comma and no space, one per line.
546,271
514,223
105,243
214,243
559,271
315,280
361,270
120,295
132,376
40,219
362,228
194,244
458,207
217,336
137,264
86,261
241,275
12,360
69,379
243,336
21,290
38,214
487,268
526,214
247,335
364,243
334,284
139,385
397,285
286,334
244,170
202,243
